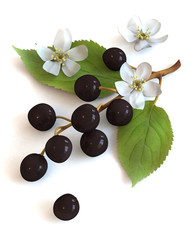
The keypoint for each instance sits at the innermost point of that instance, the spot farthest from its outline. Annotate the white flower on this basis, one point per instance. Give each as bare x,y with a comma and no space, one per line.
63,57
135,85
142,34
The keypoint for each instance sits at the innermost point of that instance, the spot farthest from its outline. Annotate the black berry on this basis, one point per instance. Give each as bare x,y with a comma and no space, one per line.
85,118
119,112
58,148
33,167
66,207
87,88
94,143
114,58
42,117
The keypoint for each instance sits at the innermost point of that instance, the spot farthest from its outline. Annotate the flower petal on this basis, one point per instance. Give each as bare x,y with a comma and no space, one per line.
141,44
44,53
151,89
153,25
143,71
134,23
52,67
126,73
63,39
78,53
137,100
158,40
70,68
123,88
127,34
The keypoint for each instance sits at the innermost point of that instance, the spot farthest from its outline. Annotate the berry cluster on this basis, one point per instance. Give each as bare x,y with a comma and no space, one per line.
84,119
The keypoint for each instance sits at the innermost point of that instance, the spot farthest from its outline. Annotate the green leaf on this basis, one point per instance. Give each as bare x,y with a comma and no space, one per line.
93,65
143,144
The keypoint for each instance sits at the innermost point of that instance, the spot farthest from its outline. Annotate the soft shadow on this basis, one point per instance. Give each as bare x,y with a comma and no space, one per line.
125,177
112,135
120,42
18,64
12,169
45,209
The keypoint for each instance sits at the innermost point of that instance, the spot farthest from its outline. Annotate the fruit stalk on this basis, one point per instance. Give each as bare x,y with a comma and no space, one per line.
109,89
64,118
104,106
160,82
62,128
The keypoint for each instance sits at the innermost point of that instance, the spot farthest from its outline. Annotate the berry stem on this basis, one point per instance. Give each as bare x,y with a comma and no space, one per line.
62,128
160,83
101,107
105,88
67,119
42,153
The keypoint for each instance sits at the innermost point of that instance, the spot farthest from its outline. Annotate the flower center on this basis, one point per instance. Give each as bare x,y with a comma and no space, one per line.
141,35
60,56
137,84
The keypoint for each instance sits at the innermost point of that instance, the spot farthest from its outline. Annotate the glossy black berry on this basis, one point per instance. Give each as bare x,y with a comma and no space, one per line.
119,112
58,148
94,143
85,118
87,88
42,117
33,167
114,58
66,207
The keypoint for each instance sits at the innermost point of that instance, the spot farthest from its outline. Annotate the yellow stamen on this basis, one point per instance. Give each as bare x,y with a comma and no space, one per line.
137,84
60,56
143,36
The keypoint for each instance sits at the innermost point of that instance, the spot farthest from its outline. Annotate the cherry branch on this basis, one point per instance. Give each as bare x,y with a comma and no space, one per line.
166,71
158,74
101,107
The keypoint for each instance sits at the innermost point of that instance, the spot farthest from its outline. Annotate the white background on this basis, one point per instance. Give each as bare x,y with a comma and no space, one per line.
158,207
